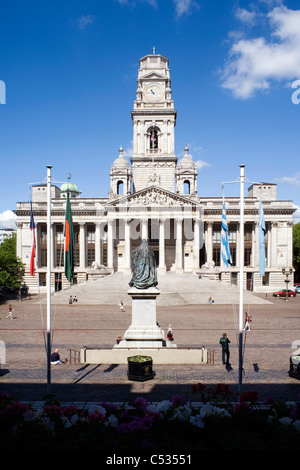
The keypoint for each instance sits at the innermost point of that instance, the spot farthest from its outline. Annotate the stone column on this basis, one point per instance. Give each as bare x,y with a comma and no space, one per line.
98,257
127,245
196,243
178,261
162,261
269,246
37,245
144,230
110,244
255,247
254,244
273,243
209,252
82,260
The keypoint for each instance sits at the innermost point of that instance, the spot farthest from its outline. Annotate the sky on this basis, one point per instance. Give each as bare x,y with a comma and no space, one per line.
68,78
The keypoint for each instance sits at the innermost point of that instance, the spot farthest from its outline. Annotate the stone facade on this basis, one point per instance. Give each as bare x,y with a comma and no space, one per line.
156,198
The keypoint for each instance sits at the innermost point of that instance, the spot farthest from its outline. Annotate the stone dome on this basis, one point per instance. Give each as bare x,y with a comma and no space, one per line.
186,162
120,162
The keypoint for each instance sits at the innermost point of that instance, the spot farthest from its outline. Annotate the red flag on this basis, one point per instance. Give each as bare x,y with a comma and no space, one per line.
33,244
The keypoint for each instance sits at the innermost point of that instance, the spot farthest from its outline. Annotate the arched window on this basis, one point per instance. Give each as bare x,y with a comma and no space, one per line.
120,187
153,145
186,187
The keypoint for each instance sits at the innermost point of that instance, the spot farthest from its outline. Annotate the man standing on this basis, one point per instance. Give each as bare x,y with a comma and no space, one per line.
224,341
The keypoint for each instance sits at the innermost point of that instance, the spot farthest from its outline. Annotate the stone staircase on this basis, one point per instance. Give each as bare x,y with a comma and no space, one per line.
176,289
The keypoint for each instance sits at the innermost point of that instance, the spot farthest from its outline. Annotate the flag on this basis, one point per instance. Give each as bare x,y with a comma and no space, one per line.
225,249
262,233
33,244
69,241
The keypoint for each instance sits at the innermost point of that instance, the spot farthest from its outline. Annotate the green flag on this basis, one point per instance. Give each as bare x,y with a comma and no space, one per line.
69,241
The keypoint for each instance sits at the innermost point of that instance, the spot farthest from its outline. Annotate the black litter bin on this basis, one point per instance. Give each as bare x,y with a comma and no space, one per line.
295,365
140,368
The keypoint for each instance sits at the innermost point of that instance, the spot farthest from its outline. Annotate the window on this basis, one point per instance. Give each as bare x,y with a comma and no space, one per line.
186,187
234,279
216,256
233,255
59,235
153,139
266,279
76,247
216,233
42,279
120,187
91,234
43,245
232,233
90,244
248,233
90,256
248,256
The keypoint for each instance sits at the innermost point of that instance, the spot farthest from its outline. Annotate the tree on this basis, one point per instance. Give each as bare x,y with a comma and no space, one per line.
296,251
11,267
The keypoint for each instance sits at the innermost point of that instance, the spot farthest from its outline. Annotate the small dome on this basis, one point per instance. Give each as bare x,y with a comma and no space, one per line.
121,162
186,161
70,188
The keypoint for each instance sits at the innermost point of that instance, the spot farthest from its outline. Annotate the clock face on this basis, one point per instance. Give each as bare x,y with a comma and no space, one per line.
153,92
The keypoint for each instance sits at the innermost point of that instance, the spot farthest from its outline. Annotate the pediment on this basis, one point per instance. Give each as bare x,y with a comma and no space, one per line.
154,196
153,76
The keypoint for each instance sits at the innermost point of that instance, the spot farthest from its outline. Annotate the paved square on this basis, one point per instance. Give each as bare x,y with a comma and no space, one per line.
275,328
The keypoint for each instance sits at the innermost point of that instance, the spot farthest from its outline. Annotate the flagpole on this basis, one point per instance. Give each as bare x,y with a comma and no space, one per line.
241,299
49,278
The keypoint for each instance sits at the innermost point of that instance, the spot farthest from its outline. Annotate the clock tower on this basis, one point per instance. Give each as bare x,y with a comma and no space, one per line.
154,117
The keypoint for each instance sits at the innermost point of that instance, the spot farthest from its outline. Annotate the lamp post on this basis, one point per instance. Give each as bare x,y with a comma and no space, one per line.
286,273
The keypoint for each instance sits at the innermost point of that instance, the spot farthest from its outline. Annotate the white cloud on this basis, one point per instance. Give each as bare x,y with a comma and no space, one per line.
85,20
185,7
8,219
245,16
132,3
201,164
254,64
198,150
291,179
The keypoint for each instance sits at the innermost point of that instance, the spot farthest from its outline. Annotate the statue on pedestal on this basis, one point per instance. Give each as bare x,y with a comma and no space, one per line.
143,267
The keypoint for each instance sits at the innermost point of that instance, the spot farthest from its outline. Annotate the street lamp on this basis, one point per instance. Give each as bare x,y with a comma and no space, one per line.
287,272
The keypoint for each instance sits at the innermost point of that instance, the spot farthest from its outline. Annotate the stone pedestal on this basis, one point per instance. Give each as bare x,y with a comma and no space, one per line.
143,331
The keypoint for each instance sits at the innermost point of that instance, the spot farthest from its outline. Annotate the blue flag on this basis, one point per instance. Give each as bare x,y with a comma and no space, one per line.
262,233
225,249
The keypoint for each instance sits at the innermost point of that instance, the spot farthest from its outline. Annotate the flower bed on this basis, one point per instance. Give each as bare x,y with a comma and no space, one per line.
217,422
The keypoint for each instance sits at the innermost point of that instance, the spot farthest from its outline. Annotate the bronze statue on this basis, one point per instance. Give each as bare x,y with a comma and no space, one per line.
143,267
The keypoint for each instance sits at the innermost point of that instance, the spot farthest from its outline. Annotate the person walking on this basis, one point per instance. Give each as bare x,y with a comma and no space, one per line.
10,313
170,336
248,320
224,341
121,305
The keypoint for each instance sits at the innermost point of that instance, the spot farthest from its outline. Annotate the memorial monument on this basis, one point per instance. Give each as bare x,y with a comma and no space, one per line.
144,332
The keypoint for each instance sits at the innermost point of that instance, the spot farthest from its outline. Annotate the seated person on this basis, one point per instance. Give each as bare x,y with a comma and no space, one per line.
55,358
